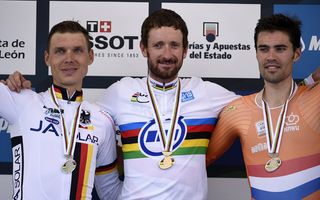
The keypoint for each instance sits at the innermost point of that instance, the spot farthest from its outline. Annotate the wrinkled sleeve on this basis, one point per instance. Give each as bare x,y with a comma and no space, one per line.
8,108
107,182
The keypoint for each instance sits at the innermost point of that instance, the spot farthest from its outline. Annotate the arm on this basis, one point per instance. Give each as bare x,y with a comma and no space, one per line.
221,140
8,108
313,77
233,121
107,182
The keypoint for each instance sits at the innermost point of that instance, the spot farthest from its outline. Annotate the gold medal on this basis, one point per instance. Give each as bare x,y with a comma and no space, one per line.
167,161
273,164
69,166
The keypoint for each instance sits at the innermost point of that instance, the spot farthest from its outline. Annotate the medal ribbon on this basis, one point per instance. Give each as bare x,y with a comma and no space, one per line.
69,138
167,144
274,137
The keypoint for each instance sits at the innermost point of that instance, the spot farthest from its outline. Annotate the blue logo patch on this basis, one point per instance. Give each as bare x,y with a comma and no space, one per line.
149,138
187,96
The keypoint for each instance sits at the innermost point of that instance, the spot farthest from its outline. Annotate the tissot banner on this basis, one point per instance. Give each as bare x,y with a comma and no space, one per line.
114,28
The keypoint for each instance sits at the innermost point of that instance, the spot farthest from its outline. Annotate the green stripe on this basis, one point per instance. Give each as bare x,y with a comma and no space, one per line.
180,151
190,150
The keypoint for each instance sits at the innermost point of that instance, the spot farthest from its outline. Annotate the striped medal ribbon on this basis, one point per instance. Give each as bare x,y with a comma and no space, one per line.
69,138
166,141
274,136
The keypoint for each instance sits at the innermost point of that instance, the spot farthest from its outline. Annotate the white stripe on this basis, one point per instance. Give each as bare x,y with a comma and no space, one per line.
283,183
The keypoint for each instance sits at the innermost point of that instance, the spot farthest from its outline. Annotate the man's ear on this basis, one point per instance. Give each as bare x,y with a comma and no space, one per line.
91,56
297,55
144,50
46,58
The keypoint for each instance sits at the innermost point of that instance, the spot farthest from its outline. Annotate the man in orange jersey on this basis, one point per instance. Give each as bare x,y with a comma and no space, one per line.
278,127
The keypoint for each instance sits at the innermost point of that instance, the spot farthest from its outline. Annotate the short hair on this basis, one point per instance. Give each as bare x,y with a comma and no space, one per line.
161,18
69,27
283,23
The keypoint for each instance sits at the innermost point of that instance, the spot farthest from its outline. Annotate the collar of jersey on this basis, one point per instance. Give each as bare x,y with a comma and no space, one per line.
163,86
62,93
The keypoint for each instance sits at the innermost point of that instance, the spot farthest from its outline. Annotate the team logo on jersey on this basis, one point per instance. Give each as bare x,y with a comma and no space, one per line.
261,131
187,96
85,120
149,137
52,112
139,98
291,123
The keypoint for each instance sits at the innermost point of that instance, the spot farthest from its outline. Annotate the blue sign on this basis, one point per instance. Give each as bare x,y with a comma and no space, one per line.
309,16
5,142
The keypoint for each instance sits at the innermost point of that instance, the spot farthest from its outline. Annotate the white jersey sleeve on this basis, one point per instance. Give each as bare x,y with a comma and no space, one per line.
7,108
12,102
107,182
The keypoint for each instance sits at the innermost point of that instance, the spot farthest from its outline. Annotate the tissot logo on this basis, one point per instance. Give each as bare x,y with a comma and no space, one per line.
99,26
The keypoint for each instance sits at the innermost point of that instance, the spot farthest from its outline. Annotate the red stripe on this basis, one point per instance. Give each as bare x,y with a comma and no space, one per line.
82,169
198,128
201,128
130,133
107,167
287,167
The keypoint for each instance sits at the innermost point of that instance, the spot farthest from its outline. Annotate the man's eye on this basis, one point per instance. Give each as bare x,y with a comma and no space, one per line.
59,51
263,49
157,46
280,49
78,50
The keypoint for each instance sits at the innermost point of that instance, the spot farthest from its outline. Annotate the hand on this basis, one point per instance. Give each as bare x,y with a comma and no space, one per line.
316,74
3,81
16,82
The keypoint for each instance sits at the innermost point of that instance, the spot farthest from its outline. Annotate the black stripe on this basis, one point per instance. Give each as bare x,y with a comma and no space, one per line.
18,164
75,173
198,135
130,140
191,135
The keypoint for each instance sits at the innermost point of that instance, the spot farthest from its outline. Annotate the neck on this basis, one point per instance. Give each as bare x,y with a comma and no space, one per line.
162,81
277,94
69,89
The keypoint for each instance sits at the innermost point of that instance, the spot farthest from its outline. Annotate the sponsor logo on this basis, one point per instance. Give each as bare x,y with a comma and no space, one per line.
210,30
45,128
149,137
259,147
187,96
139,98
51,120
52,112
102,38
261,131
214,49
88,138
99,26
291,123
17,173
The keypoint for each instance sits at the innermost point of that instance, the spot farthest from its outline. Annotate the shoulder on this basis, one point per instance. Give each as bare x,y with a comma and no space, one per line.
241,105
197,82
97,113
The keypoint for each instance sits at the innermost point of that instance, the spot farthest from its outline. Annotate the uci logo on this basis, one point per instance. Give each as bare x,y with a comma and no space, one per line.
150,142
